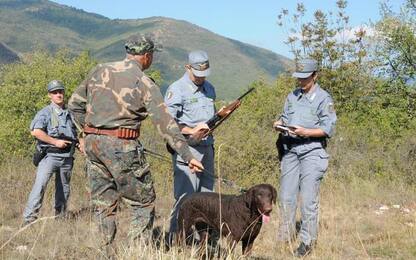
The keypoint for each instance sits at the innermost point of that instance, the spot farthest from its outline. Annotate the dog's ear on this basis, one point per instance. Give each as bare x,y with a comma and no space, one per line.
274,194
248,197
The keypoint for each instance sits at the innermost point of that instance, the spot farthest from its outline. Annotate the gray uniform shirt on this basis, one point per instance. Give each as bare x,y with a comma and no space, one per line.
310,110
190,104
45,121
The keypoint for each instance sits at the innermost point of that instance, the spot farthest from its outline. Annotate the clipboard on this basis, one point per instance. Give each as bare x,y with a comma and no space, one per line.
284,128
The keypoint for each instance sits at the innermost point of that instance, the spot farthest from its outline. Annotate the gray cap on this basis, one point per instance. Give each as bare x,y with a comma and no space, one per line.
55,85
140,44
305,68
199,63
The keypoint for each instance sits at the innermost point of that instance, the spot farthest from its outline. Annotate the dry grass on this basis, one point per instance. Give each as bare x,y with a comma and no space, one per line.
352,225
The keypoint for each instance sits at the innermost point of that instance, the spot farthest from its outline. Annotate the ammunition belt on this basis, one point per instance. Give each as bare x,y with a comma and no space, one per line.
122,133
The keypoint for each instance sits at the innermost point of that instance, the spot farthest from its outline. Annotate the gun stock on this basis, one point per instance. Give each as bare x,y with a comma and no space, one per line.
217,119
224,113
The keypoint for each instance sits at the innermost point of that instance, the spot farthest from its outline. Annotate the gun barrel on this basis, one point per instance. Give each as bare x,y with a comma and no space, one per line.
246,93
217,119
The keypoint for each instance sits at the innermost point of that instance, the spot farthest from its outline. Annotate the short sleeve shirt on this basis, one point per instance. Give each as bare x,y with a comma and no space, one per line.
190,104
60,125
310,110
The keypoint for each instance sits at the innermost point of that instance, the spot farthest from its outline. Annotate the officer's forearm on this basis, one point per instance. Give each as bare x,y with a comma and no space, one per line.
42,136
186,129
317,132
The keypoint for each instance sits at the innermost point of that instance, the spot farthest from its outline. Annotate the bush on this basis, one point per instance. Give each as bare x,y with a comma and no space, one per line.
23,93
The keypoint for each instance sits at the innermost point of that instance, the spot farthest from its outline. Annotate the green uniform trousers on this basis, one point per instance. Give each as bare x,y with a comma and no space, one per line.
118,171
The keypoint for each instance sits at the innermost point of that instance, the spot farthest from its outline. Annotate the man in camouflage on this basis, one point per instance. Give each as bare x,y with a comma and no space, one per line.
110,105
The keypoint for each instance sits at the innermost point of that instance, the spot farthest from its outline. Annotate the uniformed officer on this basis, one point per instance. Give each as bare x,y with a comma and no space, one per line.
309,113
110,105
190,101
56,138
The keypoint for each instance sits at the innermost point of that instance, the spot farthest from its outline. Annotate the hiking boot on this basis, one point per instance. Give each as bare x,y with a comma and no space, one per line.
303,250
28,222
60,213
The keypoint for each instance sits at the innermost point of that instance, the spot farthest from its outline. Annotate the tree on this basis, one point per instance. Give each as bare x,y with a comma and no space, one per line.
344,68
396,43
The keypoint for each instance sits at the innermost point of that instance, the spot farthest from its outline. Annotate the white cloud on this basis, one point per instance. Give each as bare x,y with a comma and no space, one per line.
350,34
346,35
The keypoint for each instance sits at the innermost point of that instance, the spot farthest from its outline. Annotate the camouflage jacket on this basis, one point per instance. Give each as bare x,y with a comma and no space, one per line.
119,94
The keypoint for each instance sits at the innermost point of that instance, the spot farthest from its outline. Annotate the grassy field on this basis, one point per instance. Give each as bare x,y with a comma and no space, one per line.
360,219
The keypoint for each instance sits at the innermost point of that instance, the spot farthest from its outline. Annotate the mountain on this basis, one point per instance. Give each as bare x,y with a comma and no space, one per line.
7,55
28,25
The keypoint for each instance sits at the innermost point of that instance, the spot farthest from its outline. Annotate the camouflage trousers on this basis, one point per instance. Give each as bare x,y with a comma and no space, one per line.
118,171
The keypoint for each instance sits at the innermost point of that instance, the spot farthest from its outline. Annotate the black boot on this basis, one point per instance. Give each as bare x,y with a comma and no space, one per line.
27,222
302,250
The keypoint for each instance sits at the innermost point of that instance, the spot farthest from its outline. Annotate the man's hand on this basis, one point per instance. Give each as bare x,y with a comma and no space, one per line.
81,145
61,143
278,126
301,131
276,123
199,132
195,166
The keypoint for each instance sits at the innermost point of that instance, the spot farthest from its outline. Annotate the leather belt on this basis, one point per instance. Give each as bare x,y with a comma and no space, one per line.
305,140
122,133
290,141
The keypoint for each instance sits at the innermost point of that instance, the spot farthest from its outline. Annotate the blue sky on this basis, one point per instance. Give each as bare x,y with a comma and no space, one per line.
253,22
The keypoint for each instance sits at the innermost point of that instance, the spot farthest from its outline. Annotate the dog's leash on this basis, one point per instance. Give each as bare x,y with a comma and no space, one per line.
164,158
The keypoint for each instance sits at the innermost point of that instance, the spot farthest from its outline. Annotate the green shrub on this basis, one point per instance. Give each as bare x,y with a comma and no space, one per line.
23,93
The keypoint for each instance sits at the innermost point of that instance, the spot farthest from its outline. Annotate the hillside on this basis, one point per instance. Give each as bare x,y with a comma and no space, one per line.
7,55
367,206
28,25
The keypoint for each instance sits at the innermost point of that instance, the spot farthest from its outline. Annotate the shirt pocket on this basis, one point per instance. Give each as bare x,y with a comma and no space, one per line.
53,131
209,106
192,101
290,117
310,118
192,104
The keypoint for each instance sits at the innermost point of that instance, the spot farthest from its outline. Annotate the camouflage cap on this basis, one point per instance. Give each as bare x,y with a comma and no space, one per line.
140,44
55,85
